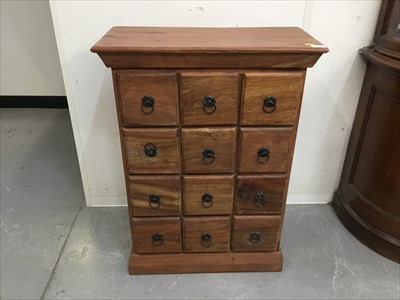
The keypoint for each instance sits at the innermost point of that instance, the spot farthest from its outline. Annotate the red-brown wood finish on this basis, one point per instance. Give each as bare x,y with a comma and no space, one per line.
368,198
152,47
276,141
259,194
168,229
153,195
163,88
223,88
203,92
286,89
369,189
163,141
255,233
205,262
206,234
222,143
202,40
208,195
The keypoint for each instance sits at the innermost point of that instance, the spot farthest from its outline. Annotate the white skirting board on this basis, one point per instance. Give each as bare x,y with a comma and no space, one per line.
292,199
309,198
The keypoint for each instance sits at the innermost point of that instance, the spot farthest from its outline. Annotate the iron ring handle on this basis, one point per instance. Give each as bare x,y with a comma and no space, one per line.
259,199
207,200
209,104
154,201
206,239
208,156
157,239
263,155
269,104
147,104
254,237
150,150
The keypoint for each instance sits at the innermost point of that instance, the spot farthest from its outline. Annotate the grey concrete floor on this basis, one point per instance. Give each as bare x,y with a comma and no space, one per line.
53,247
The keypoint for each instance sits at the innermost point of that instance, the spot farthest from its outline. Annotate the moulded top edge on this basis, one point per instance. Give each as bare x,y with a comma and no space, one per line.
126,39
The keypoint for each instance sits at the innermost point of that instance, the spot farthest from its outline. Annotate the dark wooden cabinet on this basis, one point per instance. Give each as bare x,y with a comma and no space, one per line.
368,198
208,119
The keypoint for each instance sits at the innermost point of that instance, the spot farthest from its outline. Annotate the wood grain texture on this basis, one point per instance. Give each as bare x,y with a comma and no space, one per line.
368,235
277,140
168,188
162,87
286,87
168,227
221,140
166,161
123,39
367,200
370,180
378,59
209,60
272,188
223,86
205,262
147,47
220,187
217,227
123,150
375,181
266,226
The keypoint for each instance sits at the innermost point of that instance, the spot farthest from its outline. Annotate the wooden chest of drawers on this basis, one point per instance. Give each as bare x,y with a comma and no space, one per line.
208,120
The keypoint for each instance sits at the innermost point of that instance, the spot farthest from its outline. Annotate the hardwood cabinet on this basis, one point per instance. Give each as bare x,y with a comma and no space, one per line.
368,198
208,120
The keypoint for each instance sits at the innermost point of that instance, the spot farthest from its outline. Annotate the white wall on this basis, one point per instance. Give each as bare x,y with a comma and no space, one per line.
331,92
29,58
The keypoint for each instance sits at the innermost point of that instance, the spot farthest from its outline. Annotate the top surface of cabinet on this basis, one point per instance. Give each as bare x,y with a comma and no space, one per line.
167,39
164,47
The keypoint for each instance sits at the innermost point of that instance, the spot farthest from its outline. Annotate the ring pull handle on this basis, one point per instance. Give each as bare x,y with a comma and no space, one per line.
209,104
207,200
263,155
206,239
157,239
259,199
254,237
147,104
208,156
269,104
154,201
150,150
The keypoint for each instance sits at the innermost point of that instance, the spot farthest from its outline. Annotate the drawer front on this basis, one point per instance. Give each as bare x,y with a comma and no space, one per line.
209,98
157,235
148,99
259,194
264,149
208,150
254,233
208,195
271,98
155,195
210,234
152,151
